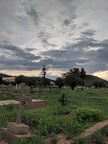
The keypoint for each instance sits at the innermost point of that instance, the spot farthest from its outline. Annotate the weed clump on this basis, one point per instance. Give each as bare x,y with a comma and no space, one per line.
83,115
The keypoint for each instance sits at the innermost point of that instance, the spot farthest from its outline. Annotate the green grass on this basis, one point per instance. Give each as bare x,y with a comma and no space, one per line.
51,119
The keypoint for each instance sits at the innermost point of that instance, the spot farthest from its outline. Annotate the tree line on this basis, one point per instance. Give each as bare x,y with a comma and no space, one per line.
74,77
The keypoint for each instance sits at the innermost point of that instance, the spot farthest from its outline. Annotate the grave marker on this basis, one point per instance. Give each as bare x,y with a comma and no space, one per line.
63,100
22,100
6,89
15,130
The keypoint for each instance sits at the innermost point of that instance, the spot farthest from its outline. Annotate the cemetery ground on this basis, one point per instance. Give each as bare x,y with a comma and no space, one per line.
61,124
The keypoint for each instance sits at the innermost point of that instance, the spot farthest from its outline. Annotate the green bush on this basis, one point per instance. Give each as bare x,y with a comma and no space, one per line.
59,110
84,115
70,127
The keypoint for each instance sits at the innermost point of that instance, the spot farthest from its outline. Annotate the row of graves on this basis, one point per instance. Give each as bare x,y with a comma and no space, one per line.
6,89
16,130
40,89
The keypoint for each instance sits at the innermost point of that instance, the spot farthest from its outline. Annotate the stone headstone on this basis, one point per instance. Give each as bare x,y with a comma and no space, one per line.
10,89
22,100
17,87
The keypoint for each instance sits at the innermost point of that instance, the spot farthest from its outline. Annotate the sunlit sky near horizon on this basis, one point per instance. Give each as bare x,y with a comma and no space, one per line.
57,34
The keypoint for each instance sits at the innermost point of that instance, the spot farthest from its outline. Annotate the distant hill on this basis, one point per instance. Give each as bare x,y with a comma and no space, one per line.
89,79
4,75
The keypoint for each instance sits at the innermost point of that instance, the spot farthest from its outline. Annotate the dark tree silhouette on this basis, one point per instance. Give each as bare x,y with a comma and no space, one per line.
59,82
73,78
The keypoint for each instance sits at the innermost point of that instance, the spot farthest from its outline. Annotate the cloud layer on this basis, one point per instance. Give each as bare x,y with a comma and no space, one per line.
58,34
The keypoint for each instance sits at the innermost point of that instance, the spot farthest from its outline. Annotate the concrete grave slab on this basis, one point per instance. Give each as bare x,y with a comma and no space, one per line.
34,103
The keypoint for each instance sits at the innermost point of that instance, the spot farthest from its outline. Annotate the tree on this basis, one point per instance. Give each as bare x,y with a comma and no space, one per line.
82,73
78,72
72,78
31,81
45,82
98,84
59,82
21,79
73,81
75,71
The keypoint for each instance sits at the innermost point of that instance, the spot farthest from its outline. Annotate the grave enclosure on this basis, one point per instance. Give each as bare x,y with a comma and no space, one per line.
15,130
39,89
6,89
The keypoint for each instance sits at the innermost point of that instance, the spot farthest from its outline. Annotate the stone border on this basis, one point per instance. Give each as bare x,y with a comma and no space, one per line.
89,132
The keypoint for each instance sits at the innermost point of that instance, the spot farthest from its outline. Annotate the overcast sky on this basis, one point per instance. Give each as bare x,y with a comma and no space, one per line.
60,34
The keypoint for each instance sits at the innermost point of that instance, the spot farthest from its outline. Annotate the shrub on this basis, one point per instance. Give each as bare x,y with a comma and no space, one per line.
84,115
70,127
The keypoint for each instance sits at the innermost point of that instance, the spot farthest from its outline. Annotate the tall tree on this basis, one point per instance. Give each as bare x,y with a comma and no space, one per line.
73,81
82,73
72,78
45,82
98,84
21,79
59,82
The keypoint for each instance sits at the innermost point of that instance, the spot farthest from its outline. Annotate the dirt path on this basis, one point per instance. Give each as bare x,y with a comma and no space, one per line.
62,139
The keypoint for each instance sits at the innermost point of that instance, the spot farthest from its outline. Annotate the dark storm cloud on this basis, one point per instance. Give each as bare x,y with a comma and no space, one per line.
63,54
71,32
65,58
98,58
53,63
30,49
44,36
33,13
16,58
66,22
89,33
5,41
80,54
19,52
85,42
46,43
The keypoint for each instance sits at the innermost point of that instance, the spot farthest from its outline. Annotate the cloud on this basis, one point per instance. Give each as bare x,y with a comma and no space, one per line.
101,74
33,13
44,36
89,33
66,22
78,55
46,43
58,33
13,57
30,49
